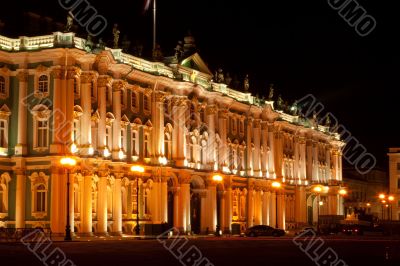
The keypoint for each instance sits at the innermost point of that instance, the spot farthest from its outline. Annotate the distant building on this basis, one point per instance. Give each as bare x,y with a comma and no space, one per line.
363,191
394,180
110,110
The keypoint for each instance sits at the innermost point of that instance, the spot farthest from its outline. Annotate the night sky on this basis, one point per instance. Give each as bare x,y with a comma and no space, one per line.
301,46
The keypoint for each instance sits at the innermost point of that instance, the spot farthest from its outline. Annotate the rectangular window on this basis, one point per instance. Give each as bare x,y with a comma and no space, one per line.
134,143
146,153
133,100
42,134
3,134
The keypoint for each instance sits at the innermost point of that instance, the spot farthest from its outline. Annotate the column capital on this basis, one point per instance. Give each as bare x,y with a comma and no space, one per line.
87,77
159,96
119,175
178,101
73,72
257,123
23,76
264,125
103,81
223,113
211,109
58,73
118,85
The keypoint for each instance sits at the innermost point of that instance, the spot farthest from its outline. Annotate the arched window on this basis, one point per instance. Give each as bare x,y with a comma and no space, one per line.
3,90
135,143
3,133
41,198
43,84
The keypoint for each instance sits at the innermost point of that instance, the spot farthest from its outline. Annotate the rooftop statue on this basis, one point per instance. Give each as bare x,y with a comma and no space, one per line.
179,50
294,108
327,121
116,33
228,79
271,92
246,83
220,76
70,23
279,103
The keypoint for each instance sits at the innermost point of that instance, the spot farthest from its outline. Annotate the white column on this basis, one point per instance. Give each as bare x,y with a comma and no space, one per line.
102,83
257,208
309,160
20,199
303,161
228,210
328,163
58,117
222,211
316,176
278,154
86,104
102,204
21,148
204,227
117,90
272,215
300,205
185,206
211,110
281,210
271,145
71,201
117,204
157,116
177,212
178,143
264,139
55,211
156,201
211,207
86,216
266,208
249,161
222,129
257,145
250,208
164,201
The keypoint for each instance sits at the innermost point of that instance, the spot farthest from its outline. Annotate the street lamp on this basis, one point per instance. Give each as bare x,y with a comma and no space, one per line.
318,190
68,163
218,178
276,186
137,169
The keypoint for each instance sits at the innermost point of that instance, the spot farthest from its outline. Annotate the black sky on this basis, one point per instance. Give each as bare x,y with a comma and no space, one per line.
301,46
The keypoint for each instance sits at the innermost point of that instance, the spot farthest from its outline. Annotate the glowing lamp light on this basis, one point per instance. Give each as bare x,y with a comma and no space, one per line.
321,203
106,153
391,198
68,161
368,204
137,169
162,160
342,192
381,196
383,201
276,184
217,178
91,150
317,189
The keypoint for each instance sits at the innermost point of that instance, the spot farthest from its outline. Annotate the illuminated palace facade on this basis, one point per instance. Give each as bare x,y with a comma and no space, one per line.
110,110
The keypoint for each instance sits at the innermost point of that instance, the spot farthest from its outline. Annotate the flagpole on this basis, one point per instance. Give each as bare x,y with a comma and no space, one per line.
154,24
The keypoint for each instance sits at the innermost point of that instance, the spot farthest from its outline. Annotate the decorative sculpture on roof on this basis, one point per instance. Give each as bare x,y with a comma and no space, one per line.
70,23
246,83
228,79
220,76
271,92
294,109
157,54
179,50
327,121
101,45
279,103
116,33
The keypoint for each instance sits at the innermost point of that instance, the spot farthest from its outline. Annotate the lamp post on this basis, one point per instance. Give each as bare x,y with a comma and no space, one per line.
276,186
318,190
137,169
68,163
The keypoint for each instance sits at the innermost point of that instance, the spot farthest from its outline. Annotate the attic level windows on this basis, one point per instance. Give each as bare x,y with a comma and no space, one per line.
3,89
43,87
